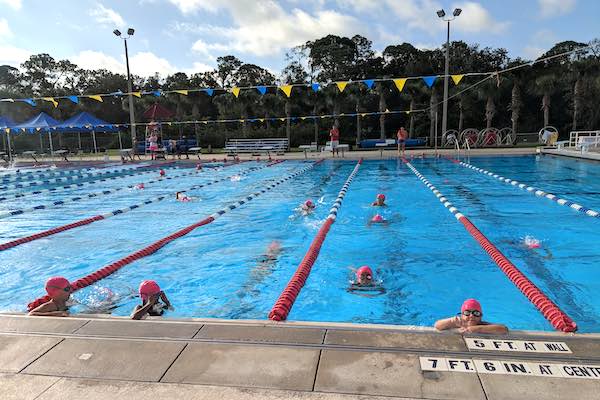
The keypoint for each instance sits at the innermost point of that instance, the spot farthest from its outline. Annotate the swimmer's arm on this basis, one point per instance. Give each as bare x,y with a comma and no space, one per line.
140,311
165,300
488,328
48,310
447,323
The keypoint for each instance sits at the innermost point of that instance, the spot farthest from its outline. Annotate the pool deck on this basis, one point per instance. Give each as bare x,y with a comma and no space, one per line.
588,155
98,358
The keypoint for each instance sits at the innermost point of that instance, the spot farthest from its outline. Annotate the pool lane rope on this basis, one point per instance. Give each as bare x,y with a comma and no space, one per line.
79,184
538,192
13,213
75,177
28,176
285,302
549,310
87,221
154,247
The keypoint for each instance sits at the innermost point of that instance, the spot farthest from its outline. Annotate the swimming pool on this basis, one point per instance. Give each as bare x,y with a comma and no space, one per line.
427,261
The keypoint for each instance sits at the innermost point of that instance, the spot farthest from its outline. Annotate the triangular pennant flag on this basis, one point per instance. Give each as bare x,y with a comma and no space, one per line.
168,123
235,91
387,111
205,122
209,91
137,94
457,78
316,87
262,89
7,130
282,119
429,80
363,115
96,97
407,112
341,86
183,92
400,83
51,100
8,100
38,129
369,82
287,89
31,102
157,93
74,99
323,116
302,118
261,119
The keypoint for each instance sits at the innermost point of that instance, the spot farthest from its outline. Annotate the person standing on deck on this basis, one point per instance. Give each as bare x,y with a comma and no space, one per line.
334,136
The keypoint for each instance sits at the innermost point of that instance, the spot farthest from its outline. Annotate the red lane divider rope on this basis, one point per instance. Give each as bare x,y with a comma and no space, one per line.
284,303
559,319
154,247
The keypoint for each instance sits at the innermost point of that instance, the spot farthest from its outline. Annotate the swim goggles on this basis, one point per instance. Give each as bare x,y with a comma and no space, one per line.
475,313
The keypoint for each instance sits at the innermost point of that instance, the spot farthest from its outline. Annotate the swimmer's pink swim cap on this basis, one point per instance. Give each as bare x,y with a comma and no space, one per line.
377,218
148,288
470,304
308,203
198,167
365,269
161,172
56,284
381,196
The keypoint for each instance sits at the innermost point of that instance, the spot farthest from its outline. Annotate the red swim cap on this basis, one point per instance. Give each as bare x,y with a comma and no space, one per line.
56,284
309,203
470,304
381,196
161,172
148,288
377,218
362,270
198,167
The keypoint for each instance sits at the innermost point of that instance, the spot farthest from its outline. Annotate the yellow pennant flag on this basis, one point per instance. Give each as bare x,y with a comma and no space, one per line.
341,86
323,116
242,120
456,78
282,119
400,83
235,91
51,100
205,122
168,123
183,92
407,112
387,111
7,130
302,118
96,97
363,115
261,119
287,89
137,94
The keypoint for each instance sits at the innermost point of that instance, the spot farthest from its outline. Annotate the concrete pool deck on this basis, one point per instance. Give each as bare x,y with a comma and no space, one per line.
98,358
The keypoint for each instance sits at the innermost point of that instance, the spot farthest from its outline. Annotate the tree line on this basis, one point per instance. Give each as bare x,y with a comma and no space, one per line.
561,91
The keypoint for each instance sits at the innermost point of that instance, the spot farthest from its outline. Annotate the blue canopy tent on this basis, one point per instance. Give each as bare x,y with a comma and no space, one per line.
85,122
5,123
40,123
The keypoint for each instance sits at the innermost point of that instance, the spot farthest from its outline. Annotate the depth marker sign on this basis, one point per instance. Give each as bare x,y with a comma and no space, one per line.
517,345
510,367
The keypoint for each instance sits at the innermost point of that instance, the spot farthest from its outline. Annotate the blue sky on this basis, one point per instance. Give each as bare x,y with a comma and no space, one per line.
188,35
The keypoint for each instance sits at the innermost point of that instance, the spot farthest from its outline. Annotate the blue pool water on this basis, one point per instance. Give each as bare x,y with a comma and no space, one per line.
427,261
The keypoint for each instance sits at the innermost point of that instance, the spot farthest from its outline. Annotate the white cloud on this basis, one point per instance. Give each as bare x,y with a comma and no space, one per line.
532,52
5,31
141,64
198,67
107,16
552,8
475,18
13,56
14,4
192,6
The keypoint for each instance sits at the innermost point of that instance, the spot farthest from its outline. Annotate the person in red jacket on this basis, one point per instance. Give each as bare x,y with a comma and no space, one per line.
334,136
402,135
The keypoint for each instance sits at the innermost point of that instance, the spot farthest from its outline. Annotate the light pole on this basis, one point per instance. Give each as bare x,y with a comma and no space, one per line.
442,15
130,32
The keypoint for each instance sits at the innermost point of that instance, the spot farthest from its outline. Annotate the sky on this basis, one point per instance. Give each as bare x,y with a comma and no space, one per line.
188,35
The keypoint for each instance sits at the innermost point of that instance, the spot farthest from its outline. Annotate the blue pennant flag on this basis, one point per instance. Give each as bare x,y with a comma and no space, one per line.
31,102
157,93
369,82
209,91
74,99
429,80
316,87
293,119
262,89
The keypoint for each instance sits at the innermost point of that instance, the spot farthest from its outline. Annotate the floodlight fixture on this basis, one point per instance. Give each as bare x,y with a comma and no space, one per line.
441,13
117,32
130,31
457,12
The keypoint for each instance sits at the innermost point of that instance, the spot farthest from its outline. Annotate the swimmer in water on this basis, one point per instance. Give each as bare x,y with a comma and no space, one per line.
469,320
307,207
198,167
139,186
162,173
180,196
532,243
151,301
236,178
379,201
377,219
59,290
364,282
